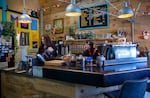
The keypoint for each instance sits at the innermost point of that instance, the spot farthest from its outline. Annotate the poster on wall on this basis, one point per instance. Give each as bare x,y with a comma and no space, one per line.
34,44
94,17
34,25
14,18
24,39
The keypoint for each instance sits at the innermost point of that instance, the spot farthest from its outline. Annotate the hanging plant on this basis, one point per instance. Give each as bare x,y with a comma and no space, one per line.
8,29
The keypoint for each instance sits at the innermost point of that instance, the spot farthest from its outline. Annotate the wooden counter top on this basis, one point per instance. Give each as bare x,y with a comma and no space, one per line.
92,78
100,79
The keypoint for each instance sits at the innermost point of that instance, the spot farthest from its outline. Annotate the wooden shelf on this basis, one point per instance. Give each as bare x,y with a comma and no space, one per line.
82,41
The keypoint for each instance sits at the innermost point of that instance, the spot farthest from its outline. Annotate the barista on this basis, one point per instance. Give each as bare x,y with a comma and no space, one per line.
90,50
47,48
46,51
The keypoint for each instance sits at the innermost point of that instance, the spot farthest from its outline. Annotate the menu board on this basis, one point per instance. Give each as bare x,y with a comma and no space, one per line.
94,17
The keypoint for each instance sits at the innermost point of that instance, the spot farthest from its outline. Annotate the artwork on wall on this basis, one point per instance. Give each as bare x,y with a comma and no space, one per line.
14,18
58,26
34,44
24,25
48,27
94,17
24,39
34,25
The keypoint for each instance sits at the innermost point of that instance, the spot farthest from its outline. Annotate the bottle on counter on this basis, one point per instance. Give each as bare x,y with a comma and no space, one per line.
83,64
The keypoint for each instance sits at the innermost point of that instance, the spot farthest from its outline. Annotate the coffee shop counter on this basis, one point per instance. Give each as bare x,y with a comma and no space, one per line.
63,82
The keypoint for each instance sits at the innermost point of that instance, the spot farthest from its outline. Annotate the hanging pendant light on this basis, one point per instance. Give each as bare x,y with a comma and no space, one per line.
24,18
73,9
125,12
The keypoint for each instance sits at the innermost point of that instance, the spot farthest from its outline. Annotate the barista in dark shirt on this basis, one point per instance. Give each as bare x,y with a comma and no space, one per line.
90,50
47,49
46,52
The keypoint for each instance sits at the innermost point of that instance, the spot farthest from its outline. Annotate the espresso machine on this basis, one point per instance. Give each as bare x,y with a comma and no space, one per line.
118,57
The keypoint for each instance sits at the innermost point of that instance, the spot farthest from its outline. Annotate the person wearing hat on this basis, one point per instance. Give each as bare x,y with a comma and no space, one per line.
90,50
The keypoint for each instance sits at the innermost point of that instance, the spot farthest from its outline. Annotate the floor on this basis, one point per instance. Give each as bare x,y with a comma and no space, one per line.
147,95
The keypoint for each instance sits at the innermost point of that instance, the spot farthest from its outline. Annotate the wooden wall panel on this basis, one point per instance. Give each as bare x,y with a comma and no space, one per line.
141,22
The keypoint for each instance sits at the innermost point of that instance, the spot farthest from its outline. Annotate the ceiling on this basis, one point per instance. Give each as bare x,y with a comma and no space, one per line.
48,6
53,6
18,5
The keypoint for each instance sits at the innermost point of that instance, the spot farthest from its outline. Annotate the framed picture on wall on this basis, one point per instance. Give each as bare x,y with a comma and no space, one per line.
94,17
58,25
34,44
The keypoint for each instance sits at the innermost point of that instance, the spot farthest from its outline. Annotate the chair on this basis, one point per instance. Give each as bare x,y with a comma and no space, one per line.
130,89
148,87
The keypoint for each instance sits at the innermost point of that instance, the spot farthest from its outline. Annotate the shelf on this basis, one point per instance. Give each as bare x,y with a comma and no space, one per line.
82,41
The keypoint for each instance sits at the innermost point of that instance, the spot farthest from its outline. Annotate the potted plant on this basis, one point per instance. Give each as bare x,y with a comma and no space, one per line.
71,30
8,29
9,33
8,36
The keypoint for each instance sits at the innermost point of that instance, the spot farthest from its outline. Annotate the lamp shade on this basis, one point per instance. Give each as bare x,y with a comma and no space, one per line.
125,12
73,10
25,18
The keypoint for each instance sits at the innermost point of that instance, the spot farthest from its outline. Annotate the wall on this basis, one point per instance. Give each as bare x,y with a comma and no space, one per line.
142,22
33,34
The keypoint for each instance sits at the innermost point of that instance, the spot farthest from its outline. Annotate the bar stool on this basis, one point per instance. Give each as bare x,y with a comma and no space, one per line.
148,87
130,89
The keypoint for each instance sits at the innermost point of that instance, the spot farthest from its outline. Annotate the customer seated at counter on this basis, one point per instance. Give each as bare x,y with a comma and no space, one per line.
90,50
47,50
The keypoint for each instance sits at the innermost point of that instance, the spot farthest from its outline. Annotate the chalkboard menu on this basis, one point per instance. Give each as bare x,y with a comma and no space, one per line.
94,17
